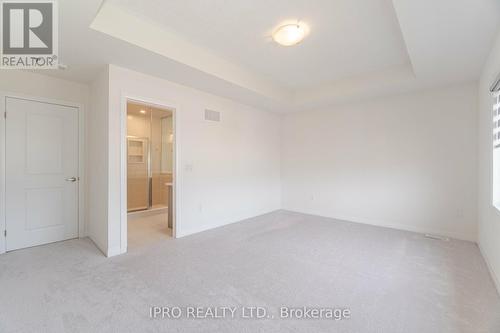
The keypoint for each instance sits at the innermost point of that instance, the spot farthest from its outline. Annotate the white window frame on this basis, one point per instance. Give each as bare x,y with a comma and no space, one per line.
495,132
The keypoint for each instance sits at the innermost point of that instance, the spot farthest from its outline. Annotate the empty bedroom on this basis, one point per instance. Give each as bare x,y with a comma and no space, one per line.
250,166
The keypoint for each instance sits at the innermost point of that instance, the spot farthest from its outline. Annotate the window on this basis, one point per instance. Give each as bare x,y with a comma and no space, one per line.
496,149
496,121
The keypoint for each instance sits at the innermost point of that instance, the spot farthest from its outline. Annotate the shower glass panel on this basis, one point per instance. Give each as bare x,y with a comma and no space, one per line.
138,186
166,164
149,151
138,156
158,187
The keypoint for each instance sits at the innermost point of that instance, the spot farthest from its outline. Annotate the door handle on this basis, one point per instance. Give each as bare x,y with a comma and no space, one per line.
72,179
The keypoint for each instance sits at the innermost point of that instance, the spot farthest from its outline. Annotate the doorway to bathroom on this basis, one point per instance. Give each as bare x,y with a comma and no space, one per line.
150,173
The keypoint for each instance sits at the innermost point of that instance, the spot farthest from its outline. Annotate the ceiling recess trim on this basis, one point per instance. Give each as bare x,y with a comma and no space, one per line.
121,24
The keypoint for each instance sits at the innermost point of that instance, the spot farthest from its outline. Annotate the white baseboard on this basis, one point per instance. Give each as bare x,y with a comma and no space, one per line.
114,251
99,247
384,224
188,232
494,276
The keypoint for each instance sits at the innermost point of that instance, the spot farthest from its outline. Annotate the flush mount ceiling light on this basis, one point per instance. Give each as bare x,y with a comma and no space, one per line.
290,34
143,111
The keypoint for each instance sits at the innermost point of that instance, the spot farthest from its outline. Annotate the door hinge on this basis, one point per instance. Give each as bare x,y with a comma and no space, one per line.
5,114
5,233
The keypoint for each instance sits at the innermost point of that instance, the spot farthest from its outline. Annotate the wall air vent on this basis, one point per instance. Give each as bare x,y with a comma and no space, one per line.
211,115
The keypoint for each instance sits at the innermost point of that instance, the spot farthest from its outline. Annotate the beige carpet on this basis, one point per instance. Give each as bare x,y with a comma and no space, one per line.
391,281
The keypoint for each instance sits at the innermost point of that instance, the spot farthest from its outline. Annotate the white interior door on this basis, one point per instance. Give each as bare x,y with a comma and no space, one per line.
41,173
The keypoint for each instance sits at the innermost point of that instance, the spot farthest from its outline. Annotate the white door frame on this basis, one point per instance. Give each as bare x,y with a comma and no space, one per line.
81,159
123,161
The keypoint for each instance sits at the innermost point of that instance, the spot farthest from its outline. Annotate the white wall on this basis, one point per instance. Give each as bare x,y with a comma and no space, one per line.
37,85
228,171
97,162
407,162
34,85
489,216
